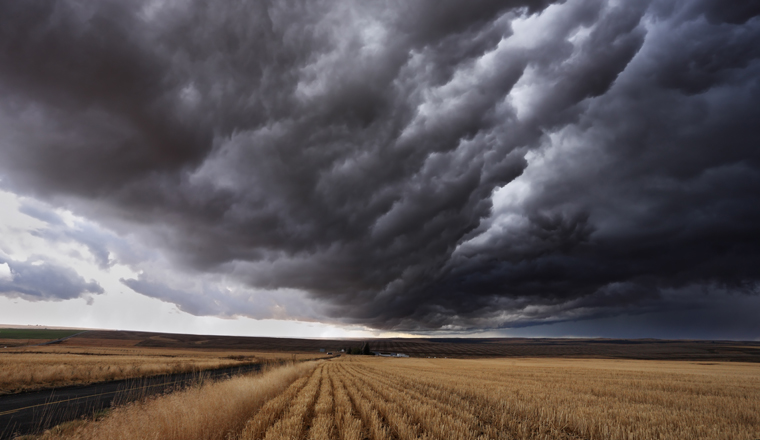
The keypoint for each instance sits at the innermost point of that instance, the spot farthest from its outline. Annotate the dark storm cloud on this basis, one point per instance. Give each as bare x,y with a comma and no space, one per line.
352,150
40,280
92,101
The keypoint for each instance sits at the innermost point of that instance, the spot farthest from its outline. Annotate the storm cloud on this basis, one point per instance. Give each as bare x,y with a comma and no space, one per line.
40,280
405,165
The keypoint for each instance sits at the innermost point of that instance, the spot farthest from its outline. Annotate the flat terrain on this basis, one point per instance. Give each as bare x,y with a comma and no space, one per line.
466,388
20,371
34,411
108,356
20,337
357,397
96,356
651,349
25,333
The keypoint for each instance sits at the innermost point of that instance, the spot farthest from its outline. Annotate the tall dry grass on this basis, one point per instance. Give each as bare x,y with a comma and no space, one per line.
215,411
28,371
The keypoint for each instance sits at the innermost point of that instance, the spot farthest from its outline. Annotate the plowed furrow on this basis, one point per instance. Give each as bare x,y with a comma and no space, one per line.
293,424
395,416
371,418
323,426
346,420
272,411
435,417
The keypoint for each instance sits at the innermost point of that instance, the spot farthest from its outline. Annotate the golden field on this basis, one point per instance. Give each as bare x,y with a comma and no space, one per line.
55,366
357,397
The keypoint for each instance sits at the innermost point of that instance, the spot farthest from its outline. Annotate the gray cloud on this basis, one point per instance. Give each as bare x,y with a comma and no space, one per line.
40,280
98,242
211,294
351,151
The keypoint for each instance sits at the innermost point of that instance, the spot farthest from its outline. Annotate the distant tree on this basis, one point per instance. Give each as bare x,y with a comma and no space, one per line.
364,349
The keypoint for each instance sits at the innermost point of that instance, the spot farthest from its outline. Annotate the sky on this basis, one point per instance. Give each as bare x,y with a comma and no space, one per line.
580,168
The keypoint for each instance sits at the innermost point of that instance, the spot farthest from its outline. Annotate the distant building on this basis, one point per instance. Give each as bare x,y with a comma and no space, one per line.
321,350
401,355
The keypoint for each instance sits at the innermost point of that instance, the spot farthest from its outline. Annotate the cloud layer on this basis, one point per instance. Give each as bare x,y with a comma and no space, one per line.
414,167
43,281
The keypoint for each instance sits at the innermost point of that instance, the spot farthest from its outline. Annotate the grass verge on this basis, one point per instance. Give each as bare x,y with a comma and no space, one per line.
209,411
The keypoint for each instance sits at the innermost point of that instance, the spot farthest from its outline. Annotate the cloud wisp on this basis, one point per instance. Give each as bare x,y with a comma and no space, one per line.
436,165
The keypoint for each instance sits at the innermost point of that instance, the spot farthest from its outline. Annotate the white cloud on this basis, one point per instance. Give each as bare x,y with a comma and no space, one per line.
5,272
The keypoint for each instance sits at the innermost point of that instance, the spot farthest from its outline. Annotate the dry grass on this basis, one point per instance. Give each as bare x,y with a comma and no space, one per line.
28,371
323,425
34,371
30,368
531,399
215,411
113,348
13,343
379,398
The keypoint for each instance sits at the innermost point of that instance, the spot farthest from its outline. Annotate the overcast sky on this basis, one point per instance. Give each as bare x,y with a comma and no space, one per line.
323,168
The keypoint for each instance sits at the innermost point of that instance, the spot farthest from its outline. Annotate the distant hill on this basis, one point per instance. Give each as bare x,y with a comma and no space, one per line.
444,347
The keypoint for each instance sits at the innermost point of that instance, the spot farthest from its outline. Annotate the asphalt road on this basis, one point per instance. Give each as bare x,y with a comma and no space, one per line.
33,412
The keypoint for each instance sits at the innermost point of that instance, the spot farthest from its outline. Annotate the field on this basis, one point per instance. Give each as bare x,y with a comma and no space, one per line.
106,355
29,371
19,337
649,349
23,333
80,361
357,397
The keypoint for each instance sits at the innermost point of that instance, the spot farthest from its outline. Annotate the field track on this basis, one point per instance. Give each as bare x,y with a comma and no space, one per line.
38,410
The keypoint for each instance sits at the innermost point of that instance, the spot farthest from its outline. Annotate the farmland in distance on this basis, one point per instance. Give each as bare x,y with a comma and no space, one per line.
651,349
94,355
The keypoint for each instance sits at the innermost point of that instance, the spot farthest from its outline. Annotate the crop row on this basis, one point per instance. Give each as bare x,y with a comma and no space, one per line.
355,398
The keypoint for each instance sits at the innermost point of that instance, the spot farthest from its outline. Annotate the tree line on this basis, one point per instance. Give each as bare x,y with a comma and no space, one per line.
364,349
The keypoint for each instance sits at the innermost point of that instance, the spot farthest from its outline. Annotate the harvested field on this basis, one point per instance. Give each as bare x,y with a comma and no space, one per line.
379,398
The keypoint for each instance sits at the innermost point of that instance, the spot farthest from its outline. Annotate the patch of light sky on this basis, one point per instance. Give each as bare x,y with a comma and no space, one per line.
119,307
